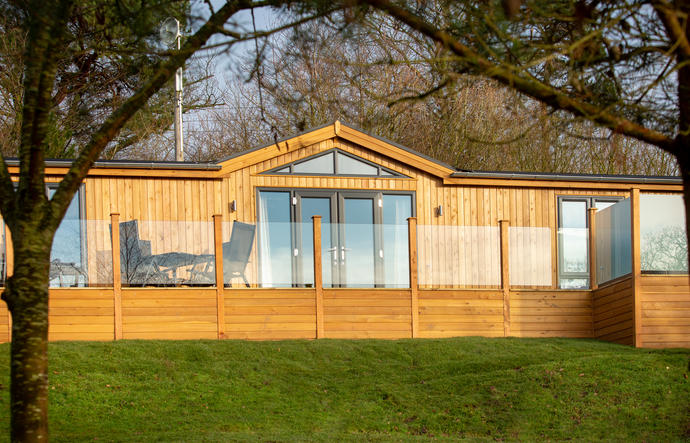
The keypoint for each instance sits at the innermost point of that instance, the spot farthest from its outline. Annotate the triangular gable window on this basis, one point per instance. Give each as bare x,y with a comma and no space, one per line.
334,162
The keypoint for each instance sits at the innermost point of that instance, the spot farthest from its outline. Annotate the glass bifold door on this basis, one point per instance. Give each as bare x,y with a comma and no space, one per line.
363,237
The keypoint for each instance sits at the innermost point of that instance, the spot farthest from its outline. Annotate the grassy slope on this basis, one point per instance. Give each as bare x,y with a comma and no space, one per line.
354,390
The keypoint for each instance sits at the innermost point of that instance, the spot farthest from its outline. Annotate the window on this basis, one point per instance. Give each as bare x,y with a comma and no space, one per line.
573,238
363,237
68,256
335,162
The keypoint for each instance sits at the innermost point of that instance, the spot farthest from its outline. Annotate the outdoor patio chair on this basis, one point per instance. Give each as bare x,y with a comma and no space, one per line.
137,265
67,274
236,252
235,257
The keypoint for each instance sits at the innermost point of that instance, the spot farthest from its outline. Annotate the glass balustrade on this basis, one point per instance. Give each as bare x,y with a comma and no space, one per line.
663,241
458,256
613,240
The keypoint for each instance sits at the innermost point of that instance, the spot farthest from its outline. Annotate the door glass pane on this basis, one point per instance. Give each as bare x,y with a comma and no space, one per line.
315,206
318,165
396,210
357,246
349,165
67,268
275,239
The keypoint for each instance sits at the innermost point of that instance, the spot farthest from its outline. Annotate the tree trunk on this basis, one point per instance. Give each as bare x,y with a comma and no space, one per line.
683,158
26,294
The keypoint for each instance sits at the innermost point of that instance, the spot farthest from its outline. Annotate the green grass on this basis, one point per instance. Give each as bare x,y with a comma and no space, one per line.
336,390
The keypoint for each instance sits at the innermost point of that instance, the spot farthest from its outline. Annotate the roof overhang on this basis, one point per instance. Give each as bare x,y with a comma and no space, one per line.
342,131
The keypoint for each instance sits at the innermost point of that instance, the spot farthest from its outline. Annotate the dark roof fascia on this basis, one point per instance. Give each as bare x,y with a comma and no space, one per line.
632,179
128,164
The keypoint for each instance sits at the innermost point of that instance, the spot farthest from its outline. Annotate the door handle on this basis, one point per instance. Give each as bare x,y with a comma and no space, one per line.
342,252
334,254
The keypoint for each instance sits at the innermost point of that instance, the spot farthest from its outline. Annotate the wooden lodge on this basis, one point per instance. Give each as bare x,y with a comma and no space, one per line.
339,234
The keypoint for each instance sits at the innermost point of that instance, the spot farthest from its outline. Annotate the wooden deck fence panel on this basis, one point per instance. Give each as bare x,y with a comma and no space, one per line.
551,313
357,313
81,314
614,311
456,313
5,325
167,313
270,314
665,306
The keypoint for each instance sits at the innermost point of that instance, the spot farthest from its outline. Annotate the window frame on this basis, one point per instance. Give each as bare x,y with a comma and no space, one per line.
590,202
335,151
296,216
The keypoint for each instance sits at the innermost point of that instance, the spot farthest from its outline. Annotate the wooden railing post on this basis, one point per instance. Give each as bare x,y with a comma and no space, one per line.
9,269
414,282
220,278
117,277
505,275
636,266
593,248
318,276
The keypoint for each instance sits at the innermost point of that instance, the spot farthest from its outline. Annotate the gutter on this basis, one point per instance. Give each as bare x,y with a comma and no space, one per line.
127,164
571,177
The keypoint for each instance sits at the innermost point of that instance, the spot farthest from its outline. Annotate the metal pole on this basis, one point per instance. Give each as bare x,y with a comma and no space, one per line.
179,145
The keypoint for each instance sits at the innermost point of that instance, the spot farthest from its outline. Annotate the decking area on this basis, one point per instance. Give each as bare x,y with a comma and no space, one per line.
336,233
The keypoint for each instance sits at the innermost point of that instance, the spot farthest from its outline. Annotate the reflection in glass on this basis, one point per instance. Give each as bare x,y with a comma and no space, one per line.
614,253
458,256
350,166
67,257
317,165
663,241
357,246
315,206
275,239
573,242
396,210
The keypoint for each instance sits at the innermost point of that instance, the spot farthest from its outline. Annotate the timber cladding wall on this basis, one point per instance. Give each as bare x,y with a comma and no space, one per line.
551,313
361,313
81,314
270,314
614,311
453,313
180,313
4,323
665,305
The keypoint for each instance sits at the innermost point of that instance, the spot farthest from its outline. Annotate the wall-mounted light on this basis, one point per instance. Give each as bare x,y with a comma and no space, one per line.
233,206
439,211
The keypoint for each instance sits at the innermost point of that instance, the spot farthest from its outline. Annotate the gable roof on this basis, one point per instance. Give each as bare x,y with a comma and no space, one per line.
343,131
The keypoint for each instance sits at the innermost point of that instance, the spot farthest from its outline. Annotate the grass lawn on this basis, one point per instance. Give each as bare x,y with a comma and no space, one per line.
337,390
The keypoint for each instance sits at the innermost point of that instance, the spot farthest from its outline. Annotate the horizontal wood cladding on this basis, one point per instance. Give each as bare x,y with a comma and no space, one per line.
355,313
5,325
168,313
456,313
614,311
81,314
665,303
270,314
549,313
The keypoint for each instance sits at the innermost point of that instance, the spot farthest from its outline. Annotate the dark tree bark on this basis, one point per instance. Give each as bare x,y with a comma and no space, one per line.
33,219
